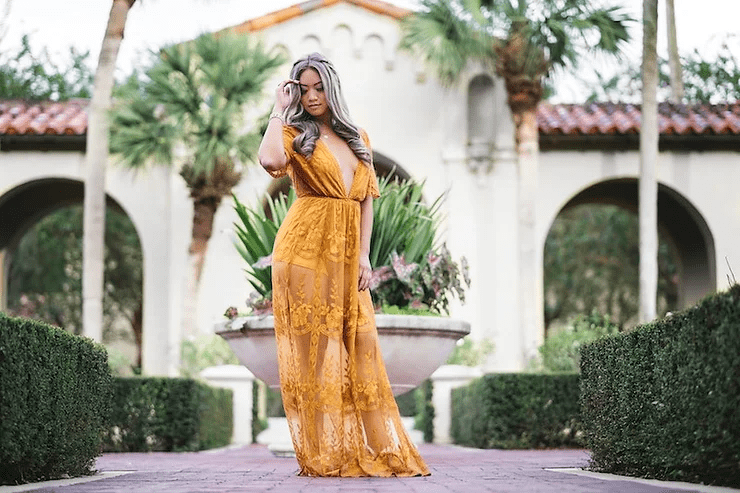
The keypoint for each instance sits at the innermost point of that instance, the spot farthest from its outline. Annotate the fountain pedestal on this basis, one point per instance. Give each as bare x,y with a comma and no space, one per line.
412,346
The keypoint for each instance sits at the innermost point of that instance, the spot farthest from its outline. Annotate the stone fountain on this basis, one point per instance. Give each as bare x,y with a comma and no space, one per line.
412,346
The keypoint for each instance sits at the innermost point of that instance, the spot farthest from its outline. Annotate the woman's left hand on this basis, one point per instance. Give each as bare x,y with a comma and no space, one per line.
366,272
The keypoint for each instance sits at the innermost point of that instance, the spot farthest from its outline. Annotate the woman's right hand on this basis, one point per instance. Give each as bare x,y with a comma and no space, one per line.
282,95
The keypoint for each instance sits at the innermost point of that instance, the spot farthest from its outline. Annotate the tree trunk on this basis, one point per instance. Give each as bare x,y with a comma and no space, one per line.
648,193
204,212
530,286
4,19
207,192
674,62
137,323
96,157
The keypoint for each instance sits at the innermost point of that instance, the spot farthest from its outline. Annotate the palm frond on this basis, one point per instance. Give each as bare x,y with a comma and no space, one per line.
198,91
444,39
138,136
447,34
569,29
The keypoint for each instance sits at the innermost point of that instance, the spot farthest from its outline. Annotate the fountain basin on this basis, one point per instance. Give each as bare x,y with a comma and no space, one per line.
413,346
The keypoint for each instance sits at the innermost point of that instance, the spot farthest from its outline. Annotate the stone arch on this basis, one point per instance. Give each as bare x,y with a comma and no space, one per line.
678,219
384,166
26,204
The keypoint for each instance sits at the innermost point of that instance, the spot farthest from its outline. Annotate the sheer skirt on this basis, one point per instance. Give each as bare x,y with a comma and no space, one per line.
338,401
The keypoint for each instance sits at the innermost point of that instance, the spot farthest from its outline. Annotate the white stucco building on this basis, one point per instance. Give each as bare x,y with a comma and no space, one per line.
459,141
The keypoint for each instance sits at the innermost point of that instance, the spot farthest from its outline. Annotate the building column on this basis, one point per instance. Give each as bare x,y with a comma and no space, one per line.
444,379
240,380
160,346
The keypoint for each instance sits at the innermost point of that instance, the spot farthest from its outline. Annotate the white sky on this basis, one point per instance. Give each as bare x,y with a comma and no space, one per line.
80,23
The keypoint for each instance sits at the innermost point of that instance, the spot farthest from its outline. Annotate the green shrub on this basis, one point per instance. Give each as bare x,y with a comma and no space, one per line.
561,351
425,410
663,401
407,403
170,414
258,424
468,352
216,418
203,352
517,410
411,270
54,399
275,407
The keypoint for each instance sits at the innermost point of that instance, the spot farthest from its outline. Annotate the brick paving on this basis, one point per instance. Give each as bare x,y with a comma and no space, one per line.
255,469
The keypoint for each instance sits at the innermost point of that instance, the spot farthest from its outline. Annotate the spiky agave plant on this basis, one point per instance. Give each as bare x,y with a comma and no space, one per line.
404,225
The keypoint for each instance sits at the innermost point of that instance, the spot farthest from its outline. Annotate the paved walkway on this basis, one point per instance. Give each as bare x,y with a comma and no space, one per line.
255,469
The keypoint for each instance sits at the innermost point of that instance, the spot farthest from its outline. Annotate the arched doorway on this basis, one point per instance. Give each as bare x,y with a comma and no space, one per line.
41,271
384,166
684,234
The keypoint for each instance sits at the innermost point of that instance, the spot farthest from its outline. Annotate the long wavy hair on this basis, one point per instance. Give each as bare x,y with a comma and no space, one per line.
296,116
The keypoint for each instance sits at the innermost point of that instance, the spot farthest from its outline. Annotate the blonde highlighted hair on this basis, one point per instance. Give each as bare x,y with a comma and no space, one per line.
296,116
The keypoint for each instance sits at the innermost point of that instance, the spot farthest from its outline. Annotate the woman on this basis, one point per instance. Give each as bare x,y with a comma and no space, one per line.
338,401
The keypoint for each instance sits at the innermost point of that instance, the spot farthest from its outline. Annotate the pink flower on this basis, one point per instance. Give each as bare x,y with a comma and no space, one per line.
402,269
231,313
434,260
379,276
263,262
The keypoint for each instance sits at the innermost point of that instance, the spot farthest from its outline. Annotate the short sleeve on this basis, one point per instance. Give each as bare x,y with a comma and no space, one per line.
288,136
372,182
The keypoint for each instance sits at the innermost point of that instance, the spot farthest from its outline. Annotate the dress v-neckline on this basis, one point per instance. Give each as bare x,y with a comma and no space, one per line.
347,190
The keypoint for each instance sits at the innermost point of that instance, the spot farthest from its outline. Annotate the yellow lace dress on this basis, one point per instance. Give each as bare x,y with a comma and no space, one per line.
341,412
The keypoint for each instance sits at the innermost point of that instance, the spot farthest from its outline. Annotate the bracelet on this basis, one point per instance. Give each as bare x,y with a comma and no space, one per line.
277,115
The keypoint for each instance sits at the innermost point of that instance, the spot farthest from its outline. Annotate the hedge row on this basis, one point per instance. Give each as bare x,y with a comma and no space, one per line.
663,401
168,414
425,410
517,410
54,400
407,403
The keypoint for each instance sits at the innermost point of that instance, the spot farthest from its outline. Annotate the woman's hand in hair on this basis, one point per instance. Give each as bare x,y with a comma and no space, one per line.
283,95
271,153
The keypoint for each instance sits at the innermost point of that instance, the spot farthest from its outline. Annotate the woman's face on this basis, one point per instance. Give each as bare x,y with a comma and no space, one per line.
313,97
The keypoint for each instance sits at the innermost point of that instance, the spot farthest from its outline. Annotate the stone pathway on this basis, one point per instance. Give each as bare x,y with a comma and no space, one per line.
254,469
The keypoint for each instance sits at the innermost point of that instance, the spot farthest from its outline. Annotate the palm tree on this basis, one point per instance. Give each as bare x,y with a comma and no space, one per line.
522,41
4,14
648,192
193,100
674,61
96,157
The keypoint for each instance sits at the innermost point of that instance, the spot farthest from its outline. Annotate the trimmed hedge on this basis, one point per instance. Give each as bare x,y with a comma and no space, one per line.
258,424
407,404
425,410
663,401
168,414
54,400
518,410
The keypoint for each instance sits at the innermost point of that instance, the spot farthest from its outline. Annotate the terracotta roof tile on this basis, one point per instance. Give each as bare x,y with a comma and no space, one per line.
620,118
273,18
22,118
70,118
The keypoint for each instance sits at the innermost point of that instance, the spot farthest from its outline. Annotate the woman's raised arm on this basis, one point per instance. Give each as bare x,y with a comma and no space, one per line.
272,155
